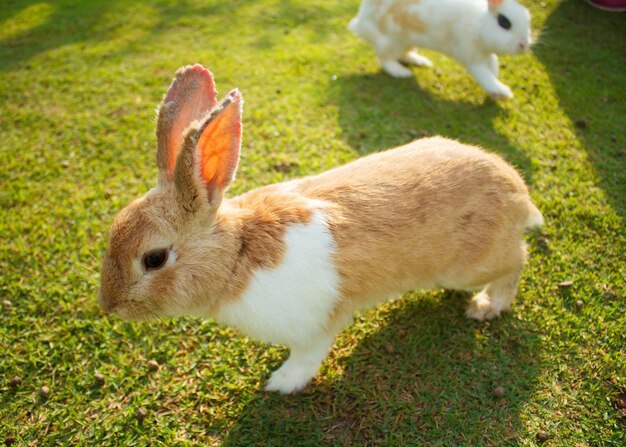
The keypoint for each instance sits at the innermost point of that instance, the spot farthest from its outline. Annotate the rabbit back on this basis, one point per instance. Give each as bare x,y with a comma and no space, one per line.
447,26
433,213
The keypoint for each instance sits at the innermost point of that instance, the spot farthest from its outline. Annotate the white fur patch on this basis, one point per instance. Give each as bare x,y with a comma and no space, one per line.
291,303
464,30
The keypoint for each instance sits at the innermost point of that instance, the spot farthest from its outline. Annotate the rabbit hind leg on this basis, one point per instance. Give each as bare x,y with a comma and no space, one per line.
498,294
389,55
414,58
496,297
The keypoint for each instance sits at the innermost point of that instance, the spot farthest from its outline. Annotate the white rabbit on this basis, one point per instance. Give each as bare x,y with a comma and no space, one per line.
291,263
472,32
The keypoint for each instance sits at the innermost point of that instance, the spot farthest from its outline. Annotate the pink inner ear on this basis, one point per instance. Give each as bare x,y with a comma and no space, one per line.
193,94
219,145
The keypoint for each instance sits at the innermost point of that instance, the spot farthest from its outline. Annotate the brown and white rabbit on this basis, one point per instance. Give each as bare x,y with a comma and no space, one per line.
472,32
292,262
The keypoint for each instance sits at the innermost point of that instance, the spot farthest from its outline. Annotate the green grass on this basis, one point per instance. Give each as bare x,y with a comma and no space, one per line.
79,83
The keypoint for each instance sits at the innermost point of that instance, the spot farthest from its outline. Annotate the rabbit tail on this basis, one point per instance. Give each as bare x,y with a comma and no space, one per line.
535,218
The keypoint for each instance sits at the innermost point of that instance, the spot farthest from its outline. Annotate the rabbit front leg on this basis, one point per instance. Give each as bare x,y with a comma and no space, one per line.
301,366
485,73
494,66
389,54
414,58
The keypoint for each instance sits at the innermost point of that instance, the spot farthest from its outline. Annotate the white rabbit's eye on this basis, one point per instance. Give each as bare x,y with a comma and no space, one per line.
504,22
154,259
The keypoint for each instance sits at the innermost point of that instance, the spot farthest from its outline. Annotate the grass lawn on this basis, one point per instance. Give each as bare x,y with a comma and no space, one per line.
79,83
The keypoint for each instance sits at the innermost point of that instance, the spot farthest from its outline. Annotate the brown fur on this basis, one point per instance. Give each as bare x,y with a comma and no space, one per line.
132,234
399,14
404,219
262,217
191,95
433,213
216,258
217,246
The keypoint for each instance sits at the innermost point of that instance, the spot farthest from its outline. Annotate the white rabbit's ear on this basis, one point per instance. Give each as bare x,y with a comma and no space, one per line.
494,5
189,98
207,164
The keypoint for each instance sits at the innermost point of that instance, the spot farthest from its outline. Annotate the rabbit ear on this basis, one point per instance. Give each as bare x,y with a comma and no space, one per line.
208,162
189,98
494,5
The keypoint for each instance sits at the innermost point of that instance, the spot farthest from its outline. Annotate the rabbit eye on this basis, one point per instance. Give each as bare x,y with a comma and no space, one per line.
504,22
154,259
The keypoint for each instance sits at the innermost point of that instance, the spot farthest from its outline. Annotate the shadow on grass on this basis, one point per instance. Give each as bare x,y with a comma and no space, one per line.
378,112
288,16
583,53
426,377
68,22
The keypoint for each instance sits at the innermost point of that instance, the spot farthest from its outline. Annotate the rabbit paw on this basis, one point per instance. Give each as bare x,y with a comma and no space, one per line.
502,92
396,69
480,308
291,377
414,58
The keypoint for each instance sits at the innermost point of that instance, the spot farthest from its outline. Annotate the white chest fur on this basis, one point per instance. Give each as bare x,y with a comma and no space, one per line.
291,303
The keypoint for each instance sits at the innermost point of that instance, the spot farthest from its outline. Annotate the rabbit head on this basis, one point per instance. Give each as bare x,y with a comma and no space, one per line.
506,27
162,244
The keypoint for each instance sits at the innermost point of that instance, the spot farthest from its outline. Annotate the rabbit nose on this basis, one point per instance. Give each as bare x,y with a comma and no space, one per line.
107,305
